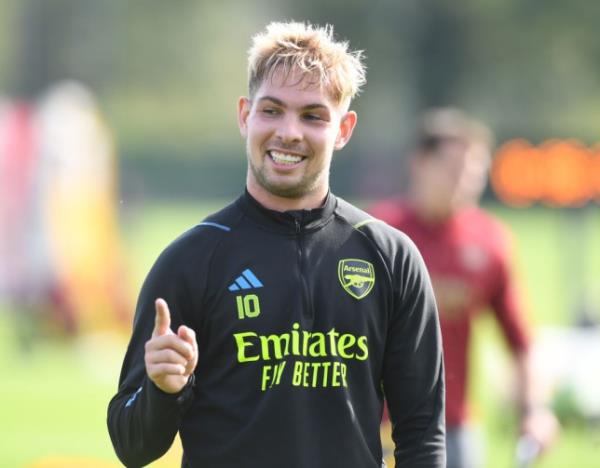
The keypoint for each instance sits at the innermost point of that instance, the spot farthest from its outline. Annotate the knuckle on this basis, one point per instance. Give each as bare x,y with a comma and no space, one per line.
150,345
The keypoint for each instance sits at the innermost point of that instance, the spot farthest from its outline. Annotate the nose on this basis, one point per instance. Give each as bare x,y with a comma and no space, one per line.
289,130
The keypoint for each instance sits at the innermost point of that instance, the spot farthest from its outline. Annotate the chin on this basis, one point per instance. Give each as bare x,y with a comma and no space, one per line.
287,191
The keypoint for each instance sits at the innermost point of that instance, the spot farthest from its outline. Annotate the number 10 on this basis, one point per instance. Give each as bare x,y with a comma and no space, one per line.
247,306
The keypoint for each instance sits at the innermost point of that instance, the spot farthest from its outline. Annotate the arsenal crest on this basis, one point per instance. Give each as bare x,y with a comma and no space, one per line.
356,276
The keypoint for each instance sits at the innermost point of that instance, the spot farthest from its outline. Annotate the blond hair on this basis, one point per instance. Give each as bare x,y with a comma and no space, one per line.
313,51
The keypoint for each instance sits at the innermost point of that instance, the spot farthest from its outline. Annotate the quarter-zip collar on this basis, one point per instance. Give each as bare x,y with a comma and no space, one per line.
289,222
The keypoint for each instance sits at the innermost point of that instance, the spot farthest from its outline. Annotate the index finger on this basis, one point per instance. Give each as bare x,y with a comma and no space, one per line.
162,319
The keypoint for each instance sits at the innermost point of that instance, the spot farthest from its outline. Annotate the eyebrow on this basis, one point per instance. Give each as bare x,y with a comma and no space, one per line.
279,102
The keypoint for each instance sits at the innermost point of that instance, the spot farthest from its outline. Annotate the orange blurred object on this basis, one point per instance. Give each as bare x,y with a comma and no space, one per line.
559,173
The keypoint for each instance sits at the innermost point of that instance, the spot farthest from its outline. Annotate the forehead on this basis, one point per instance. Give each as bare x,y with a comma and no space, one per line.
459,155
294,88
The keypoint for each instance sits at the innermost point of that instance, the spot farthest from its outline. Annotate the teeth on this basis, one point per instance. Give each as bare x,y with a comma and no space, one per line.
283,158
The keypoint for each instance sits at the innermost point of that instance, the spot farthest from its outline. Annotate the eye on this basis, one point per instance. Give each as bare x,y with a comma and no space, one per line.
313,117
270,111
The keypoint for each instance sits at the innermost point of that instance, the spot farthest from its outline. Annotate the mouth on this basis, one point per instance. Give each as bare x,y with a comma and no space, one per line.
285,159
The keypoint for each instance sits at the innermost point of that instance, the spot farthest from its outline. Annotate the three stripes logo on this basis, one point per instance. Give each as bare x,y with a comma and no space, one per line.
247,280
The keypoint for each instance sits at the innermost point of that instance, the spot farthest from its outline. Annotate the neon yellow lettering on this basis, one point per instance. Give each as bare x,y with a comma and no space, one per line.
297,376
295,339
242,344
335,375
346,341
326,366
362,344
278,350
316,366
266,370
317,347
280,368
332,341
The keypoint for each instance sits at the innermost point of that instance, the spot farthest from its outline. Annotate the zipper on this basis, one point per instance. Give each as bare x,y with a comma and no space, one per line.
306,302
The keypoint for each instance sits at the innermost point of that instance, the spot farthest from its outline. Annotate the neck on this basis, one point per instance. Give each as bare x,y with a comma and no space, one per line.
274,202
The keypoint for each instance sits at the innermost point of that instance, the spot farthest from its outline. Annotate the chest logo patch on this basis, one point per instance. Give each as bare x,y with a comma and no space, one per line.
357,277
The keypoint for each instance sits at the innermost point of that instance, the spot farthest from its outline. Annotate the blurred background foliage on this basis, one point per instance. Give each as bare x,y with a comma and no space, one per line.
168,75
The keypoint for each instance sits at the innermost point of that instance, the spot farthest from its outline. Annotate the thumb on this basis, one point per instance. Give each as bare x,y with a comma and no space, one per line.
162,320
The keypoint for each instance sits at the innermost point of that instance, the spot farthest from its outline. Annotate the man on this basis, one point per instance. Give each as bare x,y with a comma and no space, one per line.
268,334
467,254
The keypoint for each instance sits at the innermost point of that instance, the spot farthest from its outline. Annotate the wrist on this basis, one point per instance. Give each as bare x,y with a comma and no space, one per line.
182,397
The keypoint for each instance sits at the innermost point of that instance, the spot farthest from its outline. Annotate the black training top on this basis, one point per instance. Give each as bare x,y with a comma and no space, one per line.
304,321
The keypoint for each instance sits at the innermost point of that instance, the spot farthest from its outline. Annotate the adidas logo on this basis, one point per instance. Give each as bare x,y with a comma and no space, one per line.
247,280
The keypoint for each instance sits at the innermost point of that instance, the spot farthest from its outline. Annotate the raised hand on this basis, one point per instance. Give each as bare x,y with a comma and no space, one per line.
170,358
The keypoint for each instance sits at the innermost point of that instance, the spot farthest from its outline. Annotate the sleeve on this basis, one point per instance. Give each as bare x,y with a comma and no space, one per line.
413,373
142,419
506,300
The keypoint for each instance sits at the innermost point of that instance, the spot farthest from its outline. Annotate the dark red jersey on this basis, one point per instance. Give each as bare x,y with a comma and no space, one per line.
468,259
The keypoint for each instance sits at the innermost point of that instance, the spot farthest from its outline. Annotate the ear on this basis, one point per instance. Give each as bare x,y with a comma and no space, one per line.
244,106
347,125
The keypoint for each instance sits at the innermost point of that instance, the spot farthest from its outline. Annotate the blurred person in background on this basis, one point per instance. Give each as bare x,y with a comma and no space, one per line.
61,263
467,253
77,193
284,317
29,284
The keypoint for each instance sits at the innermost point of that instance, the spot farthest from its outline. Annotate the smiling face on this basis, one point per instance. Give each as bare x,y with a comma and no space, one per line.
291,127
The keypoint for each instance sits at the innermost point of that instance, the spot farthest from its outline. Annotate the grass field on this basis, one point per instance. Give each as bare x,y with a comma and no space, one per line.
54,398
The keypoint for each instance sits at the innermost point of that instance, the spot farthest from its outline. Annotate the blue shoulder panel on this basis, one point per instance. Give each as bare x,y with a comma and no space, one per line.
218,226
